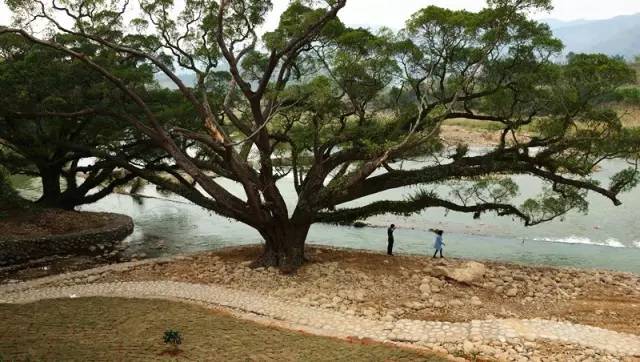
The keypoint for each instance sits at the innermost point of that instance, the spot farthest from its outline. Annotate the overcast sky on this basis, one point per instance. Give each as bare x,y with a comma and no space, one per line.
393,13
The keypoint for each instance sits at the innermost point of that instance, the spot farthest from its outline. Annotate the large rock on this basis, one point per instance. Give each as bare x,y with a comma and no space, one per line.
468,272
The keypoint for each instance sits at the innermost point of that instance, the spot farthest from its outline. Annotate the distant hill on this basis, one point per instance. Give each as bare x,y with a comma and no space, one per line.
615,36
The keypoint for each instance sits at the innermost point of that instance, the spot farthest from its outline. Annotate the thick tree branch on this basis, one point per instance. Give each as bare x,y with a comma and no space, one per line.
417,204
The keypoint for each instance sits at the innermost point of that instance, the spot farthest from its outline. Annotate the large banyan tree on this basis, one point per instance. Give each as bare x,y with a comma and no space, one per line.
336,108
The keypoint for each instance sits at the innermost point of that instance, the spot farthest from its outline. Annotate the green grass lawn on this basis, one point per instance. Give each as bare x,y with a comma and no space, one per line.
115,329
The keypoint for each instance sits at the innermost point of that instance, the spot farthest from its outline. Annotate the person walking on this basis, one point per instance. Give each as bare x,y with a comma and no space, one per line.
439,243
390,239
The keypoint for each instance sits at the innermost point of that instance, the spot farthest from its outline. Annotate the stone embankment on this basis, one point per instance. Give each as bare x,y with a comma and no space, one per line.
89,241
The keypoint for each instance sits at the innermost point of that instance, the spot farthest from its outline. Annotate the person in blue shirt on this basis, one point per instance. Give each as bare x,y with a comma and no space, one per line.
439,243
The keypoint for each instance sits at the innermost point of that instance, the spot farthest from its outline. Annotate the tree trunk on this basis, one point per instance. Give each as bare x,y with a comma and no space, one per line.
51,193
284,246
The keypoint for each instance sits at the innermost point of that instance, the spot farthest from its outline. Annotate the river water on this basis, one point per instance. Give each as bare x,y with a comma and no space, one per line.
608,237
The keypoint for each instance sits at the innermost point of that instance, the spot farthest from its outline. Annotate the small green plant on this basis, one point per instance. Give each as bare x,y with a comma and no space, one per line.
173,338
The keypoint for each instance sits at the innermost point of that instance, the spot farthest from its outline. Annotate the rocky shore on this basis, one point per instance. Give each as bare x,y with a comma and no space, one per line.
392,289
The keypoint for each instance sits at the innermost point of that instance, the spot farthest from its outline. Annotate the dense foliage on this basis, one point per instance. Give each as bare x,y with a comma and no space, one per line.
56,113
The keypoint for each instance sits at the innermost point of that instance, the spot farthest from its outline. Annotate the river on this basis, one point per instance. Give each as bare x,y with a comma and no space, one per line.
608,237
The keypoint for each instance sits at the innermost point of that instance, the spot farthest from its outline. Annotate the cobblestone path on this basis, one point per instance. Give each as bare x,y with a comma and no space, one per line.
328,322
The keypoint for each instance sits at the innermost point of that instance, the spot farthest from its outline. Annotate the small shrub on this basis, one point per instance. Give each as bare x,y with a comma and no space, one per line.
173,338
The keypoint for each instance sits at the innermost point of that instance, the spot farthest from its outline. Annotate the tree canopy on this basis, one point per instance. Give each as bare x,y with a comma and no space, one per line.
337,108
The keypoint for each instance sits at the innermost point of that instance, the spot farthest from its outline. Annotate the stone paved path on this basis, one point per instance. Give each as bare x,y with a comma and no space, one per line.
334,323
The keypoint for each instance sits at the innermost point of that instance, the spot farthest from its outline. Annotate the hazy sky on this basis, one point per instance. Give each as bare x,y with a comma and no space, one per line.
393,13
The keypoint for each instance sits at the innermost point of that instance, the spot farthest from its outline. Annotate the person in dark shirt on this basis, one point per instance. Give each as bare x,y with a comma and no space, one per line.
390,239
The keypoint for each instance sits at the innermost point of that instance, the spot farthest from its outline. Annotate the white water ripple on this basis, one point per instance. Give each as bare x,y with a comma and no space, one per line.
573,239
614,243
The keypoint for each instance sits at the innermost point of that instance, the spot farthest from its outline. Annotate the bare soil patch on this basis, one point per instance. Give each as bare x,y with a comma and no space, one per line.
35,222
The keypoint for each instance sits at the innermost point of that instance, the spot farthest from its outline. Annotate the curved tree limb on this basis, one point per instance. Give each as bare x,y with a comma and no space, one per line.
417,204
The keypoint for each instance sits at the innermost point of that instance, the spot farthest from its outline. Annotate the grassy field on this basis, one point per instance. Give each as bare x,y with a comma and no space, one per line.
114,329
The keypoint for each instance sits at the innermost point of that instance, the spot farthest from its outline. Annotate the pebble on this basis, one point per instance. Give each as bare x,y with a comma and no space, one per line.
512,292
476,301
